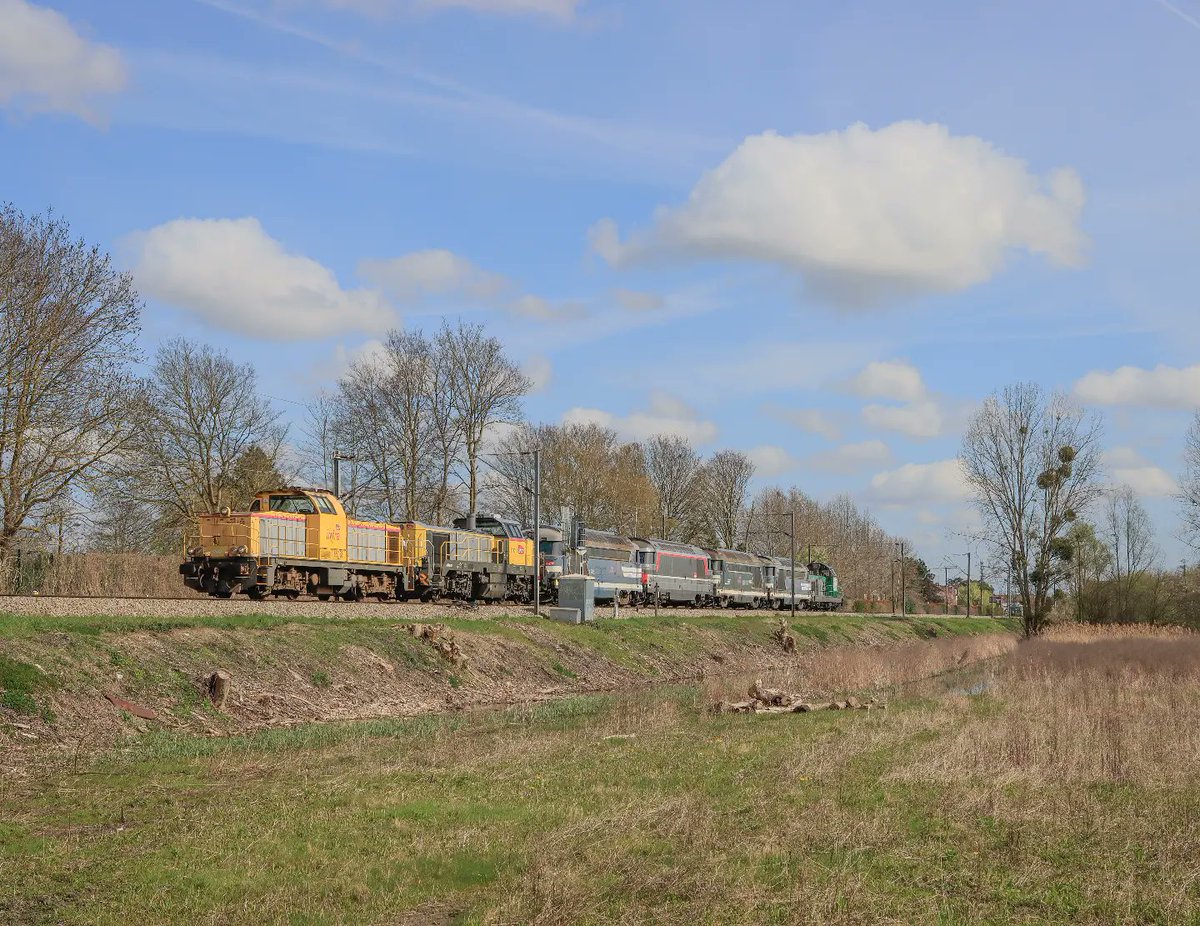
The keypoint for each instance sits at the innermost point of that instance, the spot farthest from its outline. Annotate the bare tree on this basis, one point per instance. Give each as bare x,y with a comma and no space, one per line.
673,468
319,437
68,329
369,433
200,417
726,482
584,468
484,388
1130,538
120,526
1031,462
446,439
384,412
1190,484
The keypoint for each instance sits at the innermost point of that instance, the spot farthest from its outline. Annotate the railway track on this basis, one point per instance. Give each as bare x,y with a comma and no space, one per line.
197,606
189,607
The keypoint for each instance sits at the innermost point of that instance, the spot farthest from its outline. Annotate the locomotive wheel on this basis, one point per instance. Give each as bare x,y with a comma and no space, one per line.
324,597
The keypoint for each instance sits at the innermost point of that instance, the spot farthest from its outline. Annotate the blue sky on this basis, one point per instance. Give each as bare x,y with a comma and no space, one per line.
819,232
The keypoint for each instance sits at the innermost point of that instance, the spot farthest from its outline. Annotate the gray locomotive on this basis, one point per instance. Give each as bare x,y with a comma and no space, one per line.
640,570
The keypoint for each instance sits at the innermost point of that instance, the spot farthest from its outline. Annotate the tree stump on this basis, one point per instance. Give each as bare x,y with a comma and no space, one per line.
217,685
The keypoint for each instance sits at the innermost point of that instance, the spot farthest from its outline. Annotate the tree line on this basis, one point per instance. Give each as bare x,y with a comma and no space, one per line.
1068,542
98,452
664,488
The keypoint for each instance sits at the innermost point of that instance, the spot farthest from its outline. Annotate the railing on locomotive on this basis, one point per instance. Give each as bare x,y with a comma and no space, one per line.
494,556
226,532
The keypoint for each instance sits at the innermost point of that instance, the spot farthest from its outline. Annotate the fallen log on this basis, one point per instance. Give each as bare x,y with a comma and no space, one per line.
763,700
129,707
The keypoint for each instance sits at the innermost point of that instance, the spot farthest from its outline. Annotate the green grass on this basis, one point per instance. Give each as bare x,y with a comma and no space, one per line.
635,809
18,626
19,682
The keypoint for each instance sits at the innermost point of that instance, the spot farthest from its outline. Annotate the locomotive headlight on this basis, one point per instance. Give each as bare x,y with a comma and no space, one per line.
195,551
240,550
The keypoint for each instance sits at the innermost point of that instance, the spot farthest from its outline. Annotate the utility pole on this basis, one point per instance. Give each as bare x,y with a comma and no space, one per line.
893,588
792,534
537,532
981,587
946,589
969,584
903,609
338,459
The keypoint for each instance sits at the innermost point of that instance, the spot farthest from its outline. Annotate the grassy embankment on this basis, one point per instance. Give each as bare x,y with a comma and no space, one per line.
1063,790
287,669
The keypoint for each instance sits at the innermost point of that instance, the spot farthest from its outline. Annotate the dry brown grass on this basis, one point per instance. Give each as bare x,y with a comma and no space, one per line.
846,669
1116,705
1083,633
113,575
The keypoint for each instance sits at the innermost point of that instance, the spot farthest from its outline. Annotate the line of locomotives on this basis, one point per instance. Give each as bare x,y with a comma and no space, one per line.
299,541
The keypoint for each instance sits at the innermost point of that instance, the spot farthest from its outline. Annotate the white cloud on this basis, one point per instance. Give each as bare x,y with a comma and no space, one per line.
636,301
1150,481
852,456
918,420
889,379
539,309
813,420
666,415
770,460
440,276
539,370
942,481
1128,467
47,66
865,214
232,274
1162,387
434,271
371,350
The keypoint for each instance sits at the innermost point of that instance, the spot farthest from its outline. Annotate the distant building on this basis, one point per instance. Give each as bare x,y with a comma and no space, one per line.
949,595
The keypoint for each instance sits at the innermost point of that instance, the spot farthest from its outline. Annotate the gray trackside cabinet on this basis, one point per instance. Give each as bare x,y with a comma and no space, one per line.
564,615
578,592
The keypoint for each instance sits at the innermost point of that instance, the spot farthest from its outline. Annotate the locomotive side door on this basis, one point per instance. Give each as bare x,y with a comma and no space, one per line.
330,527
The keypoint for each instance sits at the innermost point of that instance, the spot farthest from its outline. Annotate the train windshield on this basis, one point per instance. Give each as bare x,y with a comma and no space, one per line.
292,504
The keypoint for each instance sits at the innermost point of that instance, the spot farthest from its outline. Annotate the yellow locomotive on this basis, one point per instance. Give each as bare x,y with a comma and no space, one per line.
297,541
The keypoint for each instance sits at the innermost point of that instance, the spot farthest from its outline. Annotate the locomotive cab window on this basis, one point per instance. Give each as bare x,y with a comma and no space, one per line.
325,504
292,504
256,505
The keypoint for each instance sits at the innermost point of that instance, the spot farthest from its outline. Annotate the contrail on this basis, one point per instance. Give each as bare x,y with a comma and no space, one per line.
1182,14
621,137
